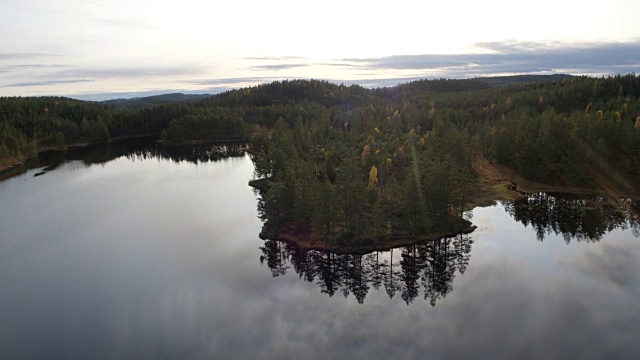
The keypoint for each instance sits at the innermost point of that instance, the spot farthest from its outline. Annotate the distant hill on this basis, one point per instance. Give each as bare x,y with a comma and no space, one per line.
471,84
496,81
297,90
148,101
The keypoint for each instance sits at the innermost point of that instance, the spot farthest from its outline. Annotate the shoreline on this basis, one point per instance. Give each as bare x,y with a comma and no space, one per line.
42,149
494,183
310,241
8,168
498,183
199,142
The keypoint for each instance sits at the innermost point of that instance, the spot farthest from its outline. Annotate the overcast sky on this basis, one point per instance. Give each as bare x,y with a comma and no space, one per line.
105,49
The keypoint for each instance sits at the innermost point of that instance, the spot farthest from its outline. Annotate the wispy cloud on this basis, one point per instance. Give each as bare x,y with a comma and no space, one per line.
24,56
514,46
47,82
17,67
237,80
277,67
275,58
130,72
342,64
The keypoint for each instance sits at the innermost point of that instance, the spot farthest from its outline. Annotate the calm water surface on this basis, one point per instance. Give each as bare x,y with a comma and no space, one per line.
150,252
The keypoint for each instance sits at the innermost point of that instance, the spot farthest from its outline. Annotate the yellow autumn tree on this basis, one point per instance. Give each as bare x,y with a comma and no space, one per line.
373,177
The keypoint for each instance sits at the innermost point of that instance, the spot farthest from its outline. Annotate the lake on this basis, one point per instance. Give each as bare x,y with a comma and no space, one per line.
136,250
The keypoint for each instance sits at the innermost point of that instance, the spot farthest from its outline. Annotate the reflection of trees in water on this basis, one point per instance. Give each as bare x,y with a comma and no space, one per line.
584,218
132,149
200,152
148,148
429,266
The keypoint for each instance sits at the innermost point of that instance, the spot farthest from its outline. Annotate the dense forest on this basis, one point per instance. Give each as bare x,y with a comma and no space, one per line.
344,163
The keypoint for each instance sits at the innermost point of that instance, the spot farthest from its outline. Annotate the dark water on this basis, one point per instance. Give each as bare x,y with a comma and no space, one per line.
140,251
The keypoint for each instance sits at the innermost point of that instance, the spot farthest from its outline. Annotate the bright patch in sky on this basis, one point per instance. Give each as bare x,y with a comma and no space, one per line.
106,49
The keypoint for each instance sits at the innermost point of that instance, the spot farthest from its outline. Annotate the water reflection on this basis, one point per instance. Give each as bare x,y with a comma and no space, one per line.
149,149
132,149
142,261
579,217
428,266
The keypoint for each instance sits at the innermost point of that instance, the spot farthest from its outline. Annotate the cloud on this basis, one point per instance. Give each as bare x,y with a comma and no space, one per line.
516,57
18,67
238,80
340,64
275,58
277,67
511,46
130,72
35,66
23,56
46,83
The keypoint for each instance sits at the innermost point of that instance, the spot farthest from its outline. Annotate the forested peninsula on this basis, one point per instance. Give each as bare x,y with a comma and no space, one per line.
349,168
